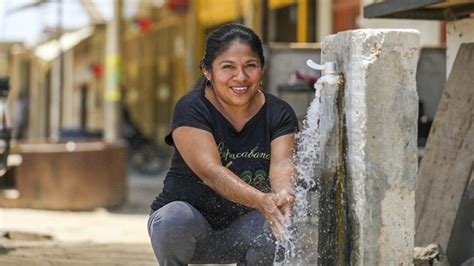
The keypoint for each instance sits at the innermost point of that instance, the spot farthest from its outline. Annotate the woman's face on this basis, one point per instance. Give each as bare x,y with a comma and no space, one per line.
236,75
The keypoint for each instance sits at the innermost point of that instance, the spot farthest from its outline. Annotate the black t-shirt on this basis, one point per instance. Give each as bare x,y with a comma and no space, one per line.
245,153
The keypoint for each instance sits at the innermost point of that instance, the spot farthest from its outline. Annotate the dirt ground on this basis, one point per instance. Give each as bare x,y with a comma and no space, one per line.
100,237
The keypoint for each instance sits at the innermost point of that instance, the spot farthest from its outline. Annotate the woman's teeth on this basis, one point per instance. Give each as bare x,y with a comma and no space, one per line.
239,89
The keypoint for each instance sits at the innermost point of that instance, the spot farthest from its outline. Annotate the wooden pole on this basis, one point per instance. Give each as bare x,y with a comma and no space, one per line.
264,20
112,114
55,109
302,22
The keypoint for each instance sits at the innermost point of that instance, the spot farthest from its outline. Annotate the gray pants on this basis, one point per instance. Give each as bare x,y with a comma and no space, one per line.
181,235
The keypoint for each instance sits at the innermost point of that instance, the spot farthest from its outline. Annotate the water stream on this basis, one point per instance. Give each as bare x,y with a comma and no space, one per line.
315,158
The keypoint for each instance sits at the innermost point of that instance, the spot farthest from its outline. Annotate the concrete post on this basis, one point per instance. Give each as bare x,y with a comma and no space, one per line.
380,112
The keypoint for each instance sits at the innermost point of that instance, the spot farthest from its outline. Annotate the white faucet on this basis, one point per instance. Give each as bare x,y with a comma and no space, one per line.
329,75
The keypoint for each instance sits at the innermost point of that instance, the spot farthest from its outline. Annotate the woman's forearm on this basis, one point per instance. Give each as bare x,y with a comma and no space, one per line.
282,168
231,187
282,176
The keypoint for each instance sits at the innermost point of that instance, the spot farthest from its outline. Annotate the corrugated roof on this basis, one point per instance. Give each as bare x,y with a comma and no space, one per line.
50,50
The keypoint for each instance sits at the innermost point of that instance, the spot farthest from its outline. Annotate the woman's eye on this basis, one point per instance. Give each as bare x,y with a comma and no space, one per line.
227,67
252,65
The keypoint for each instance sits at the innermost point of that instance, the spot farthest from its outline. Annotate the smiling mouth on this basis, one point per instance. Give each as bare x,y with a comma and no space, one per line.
240,89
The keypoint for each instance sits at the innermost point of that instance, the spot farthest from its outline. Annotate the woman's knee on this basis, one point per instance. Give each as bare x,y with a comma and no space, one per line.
177,218
175,227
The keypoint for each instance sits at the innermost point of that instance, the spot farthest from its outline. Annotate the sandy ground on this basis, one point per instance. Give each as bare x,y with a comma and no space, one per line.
100,237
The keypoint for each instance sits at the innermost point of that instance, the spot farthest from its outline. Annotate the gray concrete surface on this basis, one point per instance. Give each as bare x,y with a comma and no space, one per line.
381,108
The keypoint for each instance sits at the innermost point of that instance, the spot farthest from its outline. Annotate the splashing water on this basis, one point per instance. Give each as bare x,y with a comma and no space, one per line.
299,245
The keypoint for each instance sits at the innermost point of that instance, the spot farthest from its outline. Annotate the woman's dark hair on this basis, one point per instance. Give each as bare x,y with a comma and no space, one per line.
221,38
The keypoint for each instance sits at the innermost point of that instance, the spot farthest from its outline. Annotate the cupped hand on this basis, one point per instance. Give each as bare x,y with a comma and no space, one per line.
276,208
284,200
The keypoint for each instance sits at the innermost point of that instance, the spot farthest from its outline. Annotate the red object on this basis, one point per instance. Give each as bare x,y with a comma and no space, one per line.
308,77
97,70
145,24
443,32
178,6
345,13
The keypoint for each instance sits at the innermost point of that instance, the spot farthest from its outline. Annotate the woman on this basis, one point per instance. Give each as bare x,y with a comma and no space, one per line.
225,199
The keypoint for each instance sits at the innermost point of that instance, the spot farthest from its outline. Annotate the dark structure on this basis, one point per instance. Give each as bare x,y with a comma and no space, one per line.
420,9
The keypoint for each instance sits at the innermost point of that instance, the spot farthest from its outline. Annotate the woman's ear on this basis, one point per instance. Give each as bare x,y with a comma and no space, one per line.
206,74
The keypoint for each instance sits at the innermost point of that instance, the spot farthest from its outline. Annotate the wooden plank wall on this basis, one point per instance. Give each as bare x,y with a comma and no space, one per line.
155,74
445,168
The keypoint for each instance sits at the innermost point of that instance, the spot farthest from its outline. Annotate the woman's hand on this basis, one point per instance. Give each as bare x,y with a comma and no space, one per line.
276,209
282,173
284,201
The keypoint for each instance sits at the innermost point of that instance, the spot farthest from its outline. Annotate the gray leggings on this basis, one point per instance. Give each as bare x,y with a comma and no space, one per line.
180,235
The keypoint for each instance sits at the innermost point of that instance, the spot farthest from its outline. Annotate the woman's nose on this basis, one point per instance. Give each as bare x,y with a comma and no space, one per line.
241,74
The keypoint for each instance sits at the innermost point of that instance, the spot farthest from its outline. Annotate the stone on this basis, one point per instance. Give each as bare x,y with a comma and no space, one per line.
430,255
380,113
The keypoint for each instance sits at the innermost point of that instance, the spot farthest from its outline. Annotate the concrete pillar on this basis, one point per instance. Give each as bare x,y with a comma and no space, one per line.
380,112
